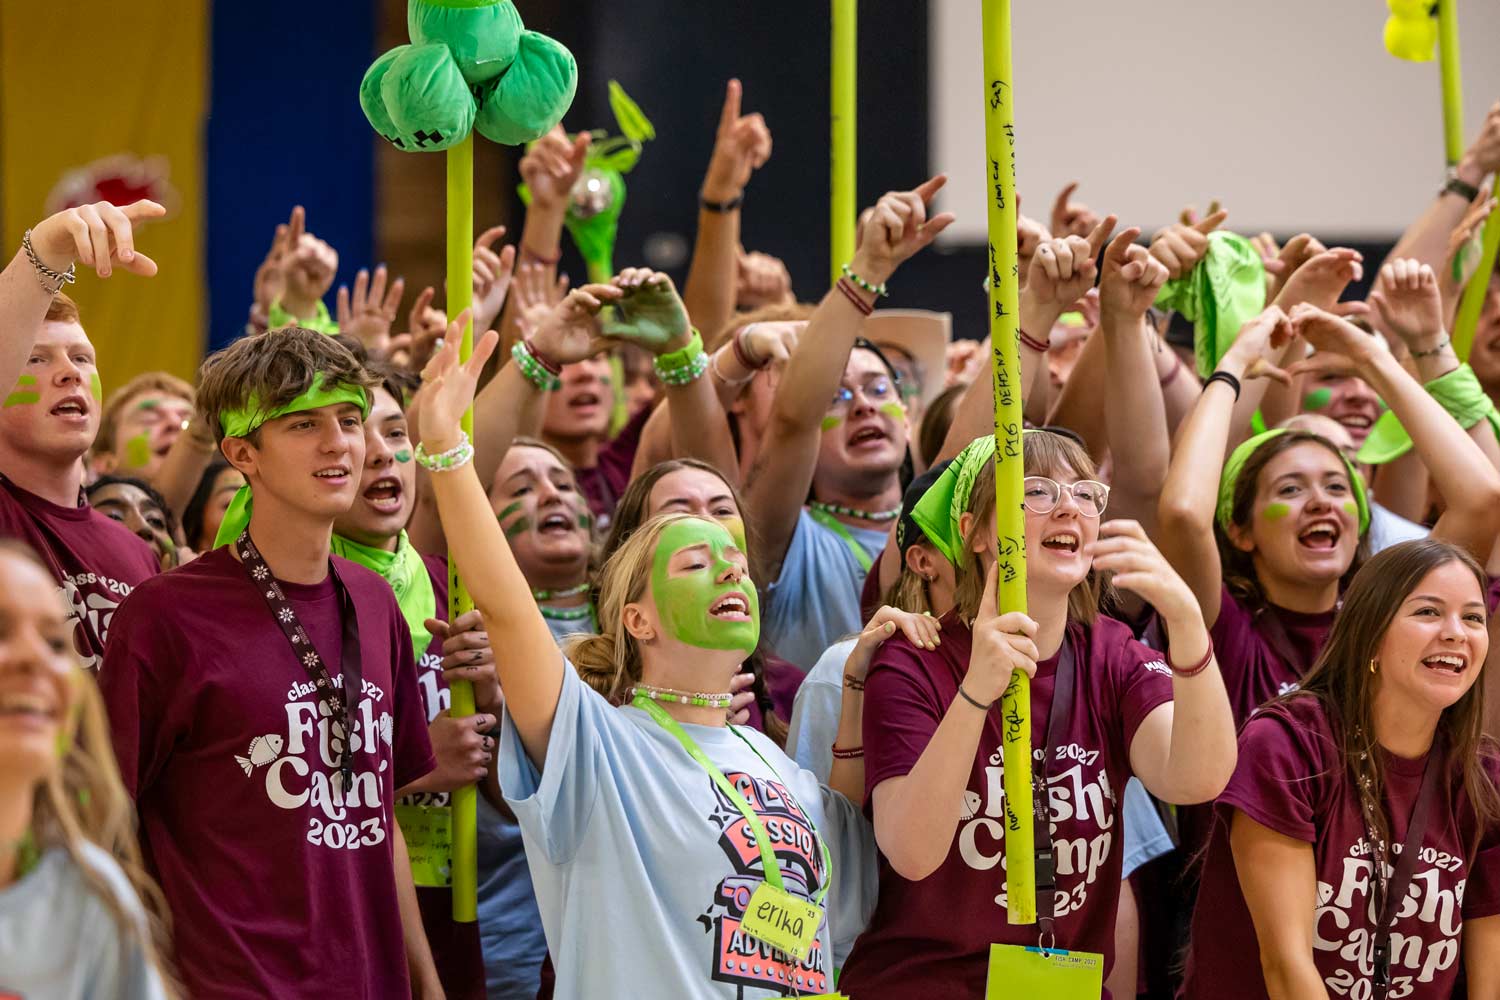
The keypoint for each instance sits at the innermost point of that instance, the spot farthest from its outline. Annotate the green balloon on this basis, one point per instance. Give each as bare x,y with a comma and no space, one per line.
532,96
427,99
371,101
483,35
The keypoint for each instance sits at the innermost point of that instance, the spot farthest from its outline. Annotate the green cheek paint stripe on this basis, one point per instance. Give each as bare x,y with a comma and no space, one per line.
403,456
1317,399
1276,511
893,410
829,423
1351,508
519,526
22,399
138,451
96,386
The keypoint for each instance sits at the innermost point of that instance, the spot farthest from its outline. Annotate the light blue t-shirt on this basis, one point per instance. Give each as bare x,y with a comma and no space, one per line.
59,940
1146,838
815,601
816,711
642,868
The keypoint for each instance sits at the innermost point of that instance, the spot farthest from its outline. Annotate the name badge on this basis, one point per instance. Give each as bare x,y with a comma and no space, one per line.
781,920
1044,972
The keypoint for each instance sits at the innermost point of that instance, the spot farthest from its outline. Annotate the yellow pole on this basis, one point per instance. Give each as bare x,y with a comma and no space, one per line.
460,161
1472,303
1000,181
844,117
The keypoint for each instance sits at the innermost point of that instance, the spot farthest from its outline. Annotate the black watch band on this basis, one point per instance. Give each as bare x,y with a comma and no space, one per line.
720,207
1457,185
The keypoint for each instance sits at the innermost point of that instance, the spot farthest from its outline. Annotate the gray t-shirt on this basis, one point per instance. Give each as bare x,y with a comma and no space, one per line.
643,869
815,601
60,941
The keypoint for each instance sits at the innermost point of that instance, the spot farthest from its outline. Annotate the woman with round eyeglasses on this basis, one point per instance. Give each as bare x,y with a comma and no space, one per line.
1104,708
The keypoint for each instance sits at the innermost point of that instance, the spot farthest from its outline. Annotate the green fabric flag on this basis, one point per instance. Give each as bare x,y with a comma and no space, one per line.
1222,292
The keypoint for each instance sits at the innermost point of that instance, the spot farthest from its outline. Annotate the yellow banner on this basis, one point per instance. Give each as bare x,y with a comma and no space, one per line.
105,101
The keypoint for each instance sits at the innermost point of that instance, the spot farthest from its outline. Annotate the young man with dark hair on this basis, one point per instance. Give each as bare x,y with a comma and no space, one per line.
265,710
50,414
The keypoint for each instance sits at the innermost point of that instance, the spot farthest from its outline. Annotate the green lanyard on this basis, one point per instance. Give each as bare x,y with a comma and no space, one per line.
838,527
762,840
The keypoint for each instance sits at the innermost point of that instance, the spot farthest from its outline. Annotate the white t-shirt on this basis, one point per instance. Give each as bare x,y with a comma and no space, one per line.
642,868
816,711
60,941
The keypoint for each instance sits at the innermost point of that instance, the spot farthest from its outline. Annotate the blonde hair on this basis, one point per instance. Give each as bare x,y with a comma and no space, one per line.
610,662
83,801
159,382
1046,454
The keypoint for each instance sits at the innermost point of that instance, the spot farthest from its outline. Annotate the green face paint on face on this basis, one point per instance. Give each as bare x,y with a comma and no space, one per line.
1352,509
96,386
516,527
585,519
684,598
893,410
830,422
403,456
1317,399
1275,511
138,451
25,393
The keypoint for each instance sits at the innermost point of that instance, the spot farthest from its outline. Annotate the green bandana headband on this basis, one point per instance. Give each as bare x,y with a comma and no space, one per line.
937,513
1222,293
277,317
1241,455
243,422
407,575
1460,394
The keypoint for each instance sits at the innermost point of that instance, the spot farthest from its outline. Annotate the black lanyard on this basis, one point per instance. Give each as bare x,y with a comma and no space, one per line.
340,707
1041,811
1273,631
1395,890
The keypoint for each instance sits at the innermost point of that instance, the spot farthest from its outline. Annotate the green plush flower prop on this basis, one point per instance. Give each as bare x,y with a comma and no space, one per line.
470,65
599,196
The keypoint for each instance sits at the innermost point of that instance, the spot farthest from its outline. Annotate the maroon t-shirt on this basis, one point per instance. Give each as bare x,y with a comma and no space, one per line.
932,938
1292,779
455,946
280,883
1245,645
606,481
96,561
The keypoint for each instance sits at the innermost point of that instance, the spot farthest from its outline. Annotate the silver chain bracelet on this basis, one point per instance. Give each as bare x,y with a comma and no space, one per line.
51,280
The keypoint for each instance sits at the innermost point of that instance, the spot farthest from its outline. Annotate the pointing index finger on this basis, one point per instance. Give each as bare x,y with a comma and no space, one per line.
1121,243
1060,205
1209,223
731,112
930,187
489,236
1101,233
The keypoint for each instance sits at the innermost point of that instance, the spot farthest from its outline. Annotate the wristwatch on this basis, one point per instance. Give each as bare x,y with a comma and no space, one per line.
1454,184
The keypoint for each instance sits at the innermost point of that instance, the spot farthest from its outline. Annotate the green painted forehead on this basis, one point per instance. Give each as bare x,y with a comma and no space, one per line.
689,531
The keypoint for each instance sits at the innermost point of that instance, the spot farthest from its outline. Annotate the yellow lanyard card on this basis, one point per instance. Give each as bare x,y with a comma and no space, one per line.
782,921
1016,971
429,842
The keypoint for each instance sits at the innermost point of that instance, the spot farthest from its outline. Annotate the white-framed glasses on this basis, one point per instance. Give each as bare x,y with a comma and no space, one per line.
1041,495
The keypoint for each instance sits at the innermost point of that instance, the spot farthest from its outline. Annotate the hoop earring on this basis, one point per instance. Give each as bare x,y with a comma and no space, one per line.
1373,665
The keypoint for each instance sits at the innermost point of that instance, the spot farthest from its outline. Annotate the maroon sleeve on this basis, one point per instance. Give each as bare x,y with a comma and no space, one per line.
1482,891
1278,779
1234,626
869,594
1142,679
412,750
437,572
617,457
902,711
142,684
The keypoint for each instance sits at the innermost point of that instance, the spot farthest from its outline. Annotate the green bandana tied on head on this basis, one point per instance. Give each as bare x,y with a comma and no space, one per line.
1222,292
407,575
1236,464
277,318
1459,392
938,512
243,422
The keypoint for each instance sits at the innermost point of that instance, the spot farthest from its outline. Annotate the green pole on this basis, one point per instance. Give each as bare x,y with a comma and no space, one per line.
844,118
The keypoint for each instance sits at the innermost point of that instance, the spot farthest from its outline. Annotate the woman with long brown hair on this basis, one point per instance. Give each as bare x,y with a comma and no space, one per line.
72,885
1356,851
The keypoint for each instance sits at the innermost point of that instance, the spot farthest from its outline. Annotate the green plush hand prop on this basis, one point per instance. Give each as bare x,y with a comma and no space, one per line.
650,314
471,65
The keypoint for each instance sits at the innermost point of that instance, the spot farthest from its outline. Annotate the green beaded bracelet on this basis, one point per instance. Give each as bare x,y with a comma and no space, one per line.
684,366
879,289
533,369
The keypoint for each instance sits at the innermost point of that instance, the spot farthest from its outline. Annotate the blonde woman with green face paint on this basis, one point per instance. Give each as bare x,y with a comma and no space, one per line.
703,828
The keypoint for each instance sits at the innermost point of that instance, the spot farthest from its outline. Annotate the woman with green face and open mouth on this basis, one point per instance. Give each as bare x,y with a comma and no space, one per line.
648,782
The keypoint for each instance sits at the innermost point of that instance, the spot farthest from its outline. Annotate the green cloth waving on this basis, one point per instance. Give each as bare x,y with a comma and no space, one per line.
407,575
1222,292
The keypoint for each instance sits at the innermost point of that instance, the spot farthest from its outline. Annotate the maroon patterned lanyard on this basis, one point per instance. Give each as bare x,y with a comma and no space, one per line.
340,706
1406,864
1041,809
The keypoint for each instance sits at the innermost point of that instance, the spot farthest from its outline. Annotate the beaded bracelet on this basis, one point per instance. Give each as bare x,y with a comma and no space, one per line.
553,367
533,368
456,457
852,753
684,366
847,288
879,289
1036,345
1196,668
1442,345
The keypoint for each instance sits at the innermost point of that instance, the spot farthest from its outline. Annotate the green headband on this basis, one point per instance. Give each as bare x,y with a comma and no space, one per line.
246,420
1221,293
1241,455
1460,394
937,513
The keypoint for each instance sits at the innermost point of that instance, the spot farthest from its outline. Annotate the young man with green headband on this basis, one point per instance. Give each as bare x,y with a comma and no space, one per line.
264,705
50,414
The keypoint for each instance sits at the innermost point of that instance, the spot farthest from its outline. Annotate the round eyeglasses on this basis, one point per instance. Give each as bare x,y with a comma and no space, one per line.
1041,495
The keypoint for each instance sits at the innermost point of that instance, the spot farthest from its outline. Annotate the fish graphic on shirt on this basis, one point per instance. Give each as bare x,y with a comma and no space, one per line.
385,727
263,750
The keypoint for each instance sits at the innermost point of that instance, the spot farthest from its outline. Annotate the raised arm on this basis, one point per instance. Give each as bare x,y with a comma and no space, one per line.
741,146
99,236
896,228
550,168
531,671
1191,495
1458,466
1427,238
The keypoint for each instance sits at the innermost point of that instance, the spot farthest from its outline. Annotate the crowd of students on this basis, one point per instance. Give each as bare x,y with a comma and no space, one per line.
736,641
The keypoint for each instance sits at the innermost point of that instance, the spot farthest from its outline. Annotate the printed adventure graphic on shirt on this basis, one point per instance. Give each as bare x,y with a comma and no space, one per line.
739,958
299,770
92,599
1080,795
1344,923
